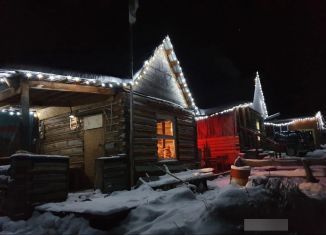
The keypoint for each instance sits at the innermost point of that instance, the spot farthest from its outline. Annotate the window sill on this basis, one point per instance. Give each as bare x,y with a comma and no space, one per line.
167,160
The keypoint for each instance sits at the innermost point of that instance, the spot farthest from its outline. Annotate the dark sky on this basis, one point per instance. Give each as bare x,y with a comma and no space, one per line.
220,44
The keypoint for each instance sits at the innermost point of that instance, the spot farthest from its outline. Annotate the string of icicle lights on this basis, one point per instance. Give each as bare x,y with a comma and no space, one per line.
317,117
33,75
224,111
17,112
168,47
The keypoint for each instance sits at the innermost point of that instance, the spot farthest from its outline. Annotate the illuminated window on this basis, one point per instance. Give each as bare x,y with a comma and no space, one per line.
165,139
258,129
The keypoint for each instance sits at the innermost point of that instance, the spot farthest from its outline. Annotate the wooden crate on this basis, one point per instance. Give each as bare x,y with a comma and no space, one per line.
34,179
111,174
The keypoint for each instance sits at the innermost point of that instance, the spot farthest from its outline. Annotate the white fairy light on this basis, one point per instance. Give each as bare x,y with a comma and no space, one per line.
103,84
40,76
18,113
318,117
29,75
259,100
51,77
11,113
87,82
224,111
69,77
110,85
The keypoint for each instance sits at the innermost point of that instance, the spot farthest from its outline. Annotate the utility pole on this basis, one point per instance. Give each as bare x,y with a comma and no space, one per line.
133,6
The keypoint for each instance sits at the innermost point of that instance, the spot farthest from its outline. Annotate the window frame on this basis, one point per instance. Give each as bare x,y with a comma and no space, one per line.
164,117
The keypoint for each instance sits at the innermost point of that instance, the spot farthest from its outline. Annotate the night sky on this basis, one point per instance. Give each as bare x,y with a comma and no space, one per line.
220,44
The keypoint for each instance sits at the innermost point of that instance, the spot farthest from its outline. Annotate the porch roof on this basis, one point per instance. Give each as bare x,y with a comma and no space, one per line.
48,89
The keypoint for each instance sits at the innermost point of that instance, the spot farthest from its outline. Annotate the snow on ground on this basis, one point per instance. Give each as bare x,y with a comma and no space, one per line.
220,210
47,224
101,204
317,153
220,182
184,175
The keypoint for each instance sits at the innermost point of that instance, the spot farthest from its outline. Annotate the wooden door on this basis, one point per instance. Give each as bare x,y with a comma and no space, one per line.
93,148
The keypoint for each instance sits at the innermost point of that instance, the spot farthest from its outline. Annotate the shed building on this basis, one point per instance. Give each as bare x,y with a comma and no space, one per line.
223,132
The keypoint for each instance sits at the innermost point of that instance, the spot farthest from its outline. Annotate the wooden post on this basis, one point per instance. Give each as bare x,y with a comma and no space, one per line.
24,100
131,112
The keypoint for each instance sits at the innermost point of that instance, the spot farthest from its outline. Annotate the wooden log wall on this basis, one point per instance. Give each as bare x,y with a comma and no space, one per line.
145,138
247,117
59,139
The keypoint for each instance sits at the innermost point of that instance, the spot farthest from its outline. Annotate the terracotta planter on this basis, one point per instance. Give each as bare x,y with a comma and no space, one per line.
239,175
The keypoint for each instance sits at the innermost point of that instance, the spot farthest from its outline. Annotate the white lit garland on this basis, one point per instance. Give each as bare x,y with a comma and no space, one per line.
40,76
317,117
17,112
260,96
168,49
224,111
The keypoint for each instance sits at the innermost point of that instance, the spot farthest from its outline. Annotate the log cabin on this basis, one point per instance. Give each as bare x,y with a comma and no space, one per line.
87,117
223,132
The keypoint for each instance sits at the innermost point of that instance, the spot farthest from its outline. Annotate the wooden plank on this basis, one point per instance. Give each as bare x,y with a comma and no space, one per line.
8,93
45,85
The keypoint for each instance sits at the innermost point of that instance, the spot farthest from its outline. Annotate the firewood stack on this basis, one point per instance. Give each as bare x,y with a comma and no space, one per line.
34,179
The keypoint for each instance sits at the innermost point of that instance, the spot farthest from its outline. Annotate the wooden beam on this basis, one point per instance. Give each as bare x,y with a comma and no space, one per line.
8,93
45,85
294,161
24,99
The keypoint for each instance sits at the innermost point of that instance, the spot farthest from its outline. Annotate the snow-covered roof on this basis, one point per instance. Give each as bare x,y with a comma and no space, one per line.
222,108
101,80
63,77
259,100
206,113
286,122
167,48
258,104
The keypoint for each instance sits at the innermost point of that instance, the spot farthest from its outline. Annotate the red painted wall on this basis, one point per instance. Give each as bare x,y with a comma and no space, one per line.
218,141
